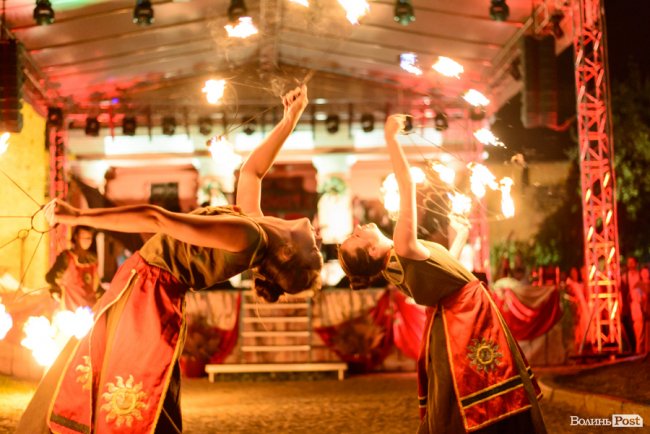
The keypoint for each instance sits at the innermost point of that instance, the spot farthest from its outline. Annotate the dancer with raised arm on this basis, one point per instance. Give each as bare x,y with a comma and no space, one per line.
472,376
123,377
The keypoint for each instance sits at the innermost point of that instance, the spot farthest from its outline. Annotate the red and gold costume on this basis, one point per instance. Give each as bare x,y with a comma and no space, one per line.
472,375
76,277
123,376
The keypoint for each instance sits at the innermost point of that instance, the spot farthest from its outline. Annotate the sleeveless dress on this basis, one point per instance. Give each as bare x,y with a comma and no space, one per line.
472,376
123,377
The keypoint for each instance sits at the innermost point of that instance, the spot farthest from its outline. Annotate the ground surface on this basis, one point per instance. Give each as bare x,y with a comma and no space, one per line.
369,404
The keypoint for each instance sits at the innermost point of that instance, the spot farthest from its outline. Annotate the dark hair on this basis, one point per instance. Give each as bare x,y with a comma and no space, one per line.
77,229
280,273
360,267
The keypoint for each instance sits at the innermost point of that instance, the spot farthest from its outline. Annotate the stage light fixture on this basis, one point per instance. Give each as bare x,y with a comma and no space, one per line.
477,113
440,121
92,126
404,12
169,125
332,123
129,125
43,13
408,124
237,10
367,122
499,10
556,23
55,117
205,125
143,13
250,125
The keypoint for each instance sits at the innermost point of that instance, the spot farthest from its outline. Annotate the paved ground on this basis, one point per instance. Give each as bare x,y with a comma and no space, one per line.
369,404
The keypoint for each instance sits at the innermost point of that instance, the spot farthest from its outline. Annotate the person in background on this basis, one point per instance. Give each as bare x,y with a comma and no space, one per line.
73,278
472,375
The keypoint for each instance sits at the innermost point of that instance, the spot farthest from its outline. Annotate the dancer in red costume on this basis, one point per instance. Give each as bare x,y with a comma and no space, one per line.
472,375
73,278
123,377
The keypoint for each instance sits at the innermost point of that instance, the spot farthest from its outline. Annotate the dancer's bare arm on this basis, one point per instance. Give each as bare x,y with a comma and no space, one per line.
405,233
261,159
230,233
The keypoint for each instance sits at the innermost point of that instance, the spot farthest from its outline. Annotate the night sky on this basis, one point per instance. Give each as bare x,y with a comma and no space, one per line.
628,38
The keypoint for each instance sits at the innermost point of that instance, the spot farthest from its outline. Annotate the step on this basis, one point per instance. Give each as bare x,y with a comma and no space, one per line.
276,319
274,334
212,370
274,348
264,306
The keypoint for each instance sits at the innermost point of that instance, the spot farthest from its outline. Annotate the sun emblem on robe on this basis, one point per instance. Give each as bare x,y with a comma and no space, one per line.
484,355
124,400
85,374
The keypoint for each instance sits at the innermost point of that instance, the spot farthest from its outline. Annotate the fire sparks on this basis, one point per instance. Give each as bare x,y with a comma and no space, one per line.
45,339
507,204
242,29
446,174
485,136
448,67
355,9
480,178
5,322
460,204
213,90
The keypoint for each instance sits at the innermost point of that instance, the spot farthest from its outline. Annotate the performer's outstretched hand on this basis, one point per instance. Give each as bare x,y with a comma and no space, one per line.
394,124
295,102
58,211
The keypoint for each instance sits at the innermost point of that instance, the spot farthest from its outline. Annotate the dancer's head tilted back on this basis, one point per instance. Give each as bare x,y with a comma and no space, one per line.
363,255
292,262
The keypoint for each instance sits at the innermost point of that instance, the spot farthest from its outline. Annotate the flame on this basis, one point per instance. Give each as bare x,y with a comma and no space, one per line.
460,204
4,142
476,98
446,174
355,9
448,67
390,195
46,340
213,90
5,322
507,204
304,3
243,29
481,177
485,136
408,62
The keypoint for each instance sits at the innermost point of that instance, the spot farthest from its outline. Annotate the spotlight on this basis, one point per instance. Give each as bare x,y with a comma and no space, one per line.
236,10
55,117
404,12
514,70
556,20
332,123
205,125
367,122
129,126
143,13
92,127
43,13
408,124
168,125
477,113
250,125
440,121
499,10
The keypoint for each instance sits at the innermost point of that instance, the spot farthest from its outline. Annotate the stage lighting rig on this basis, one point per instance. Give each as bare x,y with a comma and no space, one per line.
143,13
43,13
499,10
404,12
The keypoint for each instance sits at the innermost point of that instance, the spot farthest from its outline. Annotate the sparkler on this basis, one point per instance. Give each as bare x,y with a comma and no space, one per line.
507,204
